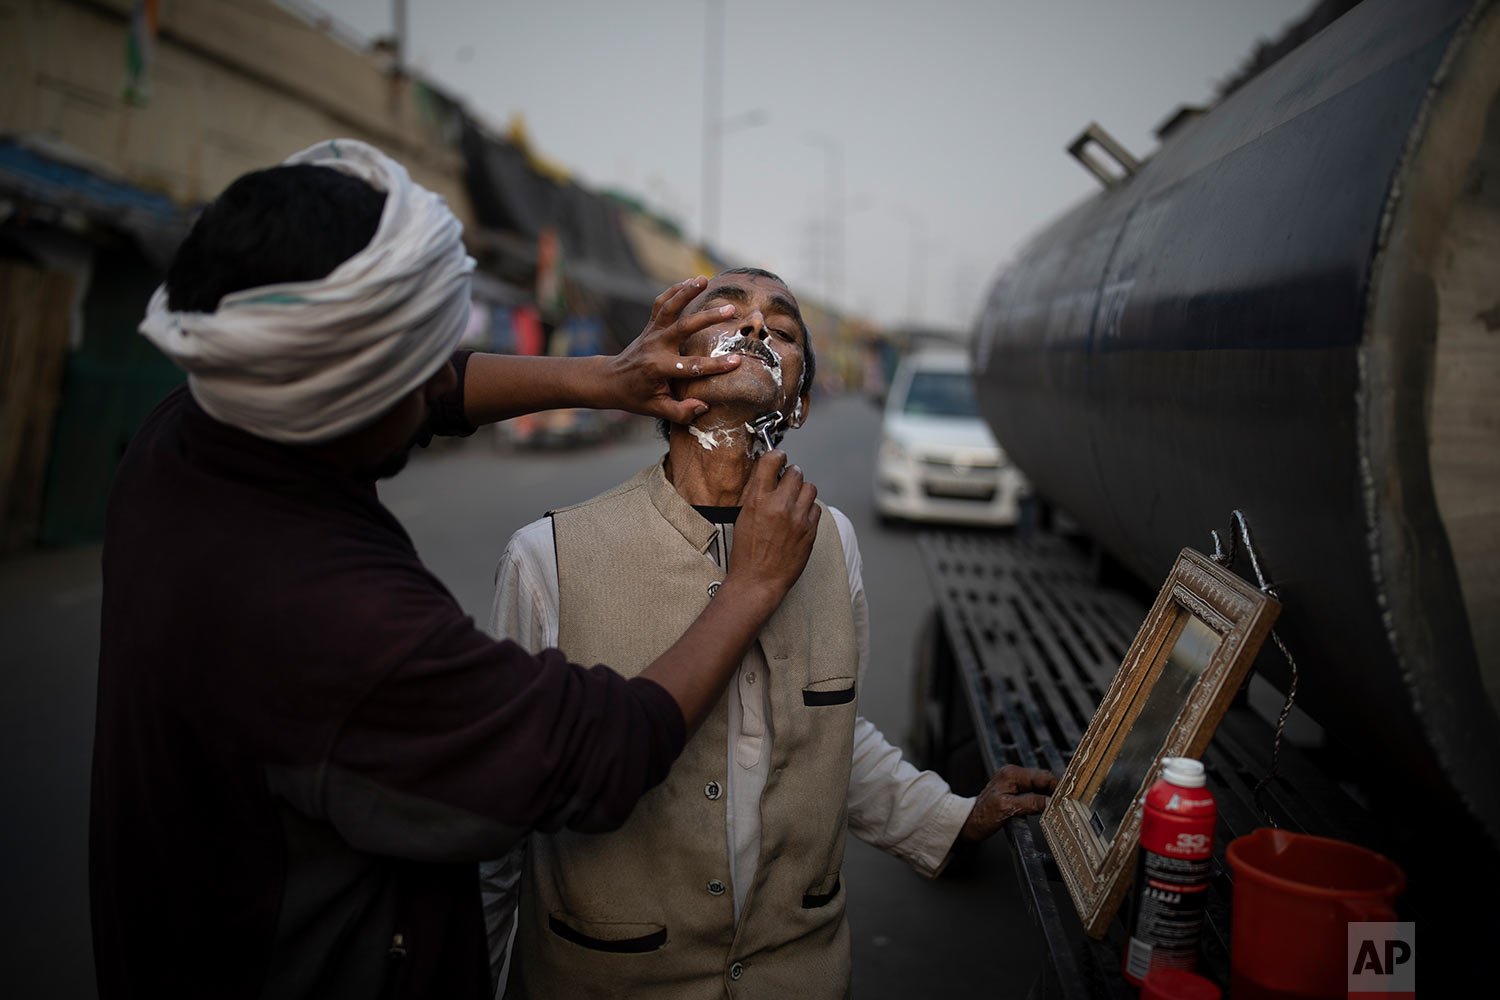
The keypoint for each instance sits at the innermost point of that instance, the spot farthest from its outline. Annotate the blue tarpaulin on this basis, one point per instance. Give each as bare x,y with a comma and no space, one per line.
156,221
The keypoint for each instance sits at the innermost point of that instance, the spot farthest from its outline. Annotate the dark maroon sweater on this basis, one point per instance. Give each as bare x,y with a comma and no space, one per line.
303,745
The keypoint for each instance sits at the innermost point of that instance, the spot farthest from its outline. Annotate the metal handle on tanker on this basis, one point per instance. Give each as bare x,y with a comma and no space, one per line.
1078,149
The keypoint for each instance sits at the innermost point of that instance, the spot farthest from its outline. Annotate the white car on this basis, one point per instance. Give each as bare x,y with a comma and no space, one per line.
938,460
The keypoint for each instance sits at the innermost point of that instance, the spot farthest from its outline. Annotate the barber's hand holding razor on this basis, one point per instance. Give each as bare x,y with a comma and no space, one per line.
773,536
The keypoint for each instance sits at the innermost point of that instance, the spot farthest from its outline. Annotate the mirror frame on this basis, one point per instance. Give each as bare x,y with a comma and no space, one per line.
1098,872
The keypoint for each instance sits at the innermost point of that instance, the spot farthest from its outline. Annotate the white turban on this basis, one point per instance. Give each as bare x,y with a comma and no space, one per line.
307,361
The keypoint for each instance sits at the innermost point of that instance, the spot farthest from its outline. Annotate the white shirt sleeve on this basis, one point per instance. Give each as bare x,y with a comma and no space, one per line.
525,611
526,590
911,814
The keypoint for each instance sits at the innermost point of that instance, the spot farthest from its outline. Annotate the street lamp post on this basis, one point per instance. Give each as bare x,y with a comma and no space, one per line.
833,243
401,29
715,125
713,99
916,264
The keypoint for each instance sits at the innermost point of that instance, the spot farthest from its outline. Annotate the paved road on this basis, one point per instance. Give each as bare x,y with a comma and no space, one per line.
963,935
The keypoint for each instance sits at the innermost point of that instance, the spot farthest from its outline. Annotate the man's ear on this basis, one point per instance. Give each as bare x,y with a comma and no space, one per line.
799,413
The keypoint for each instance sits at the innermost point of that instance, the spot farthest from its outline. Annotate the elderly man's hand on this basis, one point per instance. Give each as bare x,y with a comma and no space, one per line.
1012,791
639,378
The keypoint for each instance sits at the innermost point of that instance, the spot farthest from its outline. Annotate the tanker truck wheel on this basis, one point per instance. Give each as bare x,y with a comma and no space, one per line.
941,737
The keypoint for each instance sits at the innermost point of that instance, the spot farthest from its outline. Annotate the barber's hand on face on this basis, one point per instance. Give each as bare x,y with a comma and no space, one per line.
773,535
639,377
1012,791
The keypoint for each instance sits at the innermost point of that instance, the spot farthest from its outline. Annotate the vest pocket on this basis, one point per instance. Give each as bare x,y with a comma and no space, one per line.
821,894
622,939
833,691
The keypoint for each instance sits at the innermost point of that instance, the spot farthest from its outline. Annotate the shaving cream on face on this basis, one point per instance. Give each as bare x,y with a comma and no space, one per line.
713,439
727,342
733,341
757,446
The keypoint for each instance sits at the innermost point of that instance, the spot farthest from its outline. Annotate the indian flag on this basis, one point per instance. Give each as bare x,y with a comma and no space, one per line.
140,46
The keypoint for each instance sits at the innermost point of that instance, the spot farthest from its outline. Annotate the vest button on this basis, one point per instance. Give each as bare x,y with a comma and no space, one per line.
736,971
715,887
712,790
713,588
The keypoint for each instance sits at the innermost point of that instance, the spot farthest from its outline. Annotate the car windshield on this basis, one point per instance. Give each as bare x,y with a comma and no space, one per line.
940,394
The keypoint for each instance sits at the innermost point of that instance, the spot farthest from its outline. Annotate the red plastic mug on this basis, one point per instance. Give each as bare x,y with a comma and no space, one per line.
1294,896
1178,984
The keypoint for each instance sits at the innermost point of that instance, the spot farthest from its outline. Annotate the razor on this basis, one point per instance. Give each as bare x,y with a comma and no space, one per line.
762,426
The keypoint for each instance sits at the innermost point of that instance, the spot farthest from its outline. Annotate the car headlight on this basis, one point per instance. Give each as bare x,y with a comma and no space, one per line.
891,450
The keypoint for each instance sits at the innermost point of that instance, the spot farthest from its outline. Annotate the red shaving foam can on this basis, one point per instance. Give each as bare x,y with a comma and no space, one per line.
1173,865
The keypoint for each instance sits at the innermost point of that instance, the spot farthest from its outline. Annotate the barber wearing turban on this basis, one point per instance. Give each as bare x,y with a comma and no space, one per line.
303,745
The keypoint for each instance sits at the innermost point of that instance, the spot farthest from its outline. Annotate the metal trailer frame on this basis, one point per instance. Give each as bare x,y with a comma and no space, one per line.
1026,643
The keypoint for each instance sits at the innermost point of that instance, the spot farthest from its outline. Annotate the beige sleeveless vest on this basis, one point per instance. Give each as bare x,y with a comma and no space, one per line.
648,910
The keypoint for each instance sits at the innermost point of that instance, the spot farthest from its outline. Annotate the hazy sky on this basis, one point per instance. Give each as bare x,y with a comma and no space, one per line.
950,117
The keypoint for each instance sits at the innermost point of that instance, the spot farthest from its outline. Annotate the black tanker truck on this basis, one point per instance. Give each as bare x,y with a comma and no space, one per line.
1291,309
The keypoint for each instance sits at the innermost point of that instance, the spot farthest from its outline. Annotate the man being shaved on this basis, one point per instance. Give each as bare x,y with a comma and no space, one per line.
727,878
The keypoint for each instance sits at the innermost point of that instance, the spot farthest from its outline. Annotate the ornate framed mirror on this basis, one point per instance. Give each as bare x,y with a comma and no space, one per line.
1181,672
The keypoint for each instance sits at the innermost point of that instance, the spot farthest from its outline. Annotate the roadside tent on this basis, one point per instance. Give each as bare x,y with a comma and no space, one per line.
664,255
516,199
